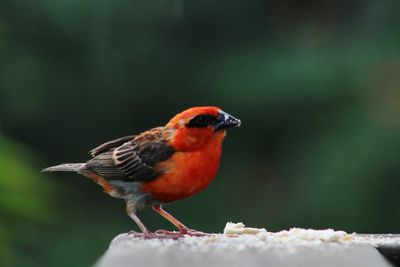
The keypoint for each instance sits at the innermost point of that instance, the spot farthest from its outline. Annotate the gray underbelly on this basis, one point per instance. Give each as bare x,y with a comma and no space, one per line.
131,193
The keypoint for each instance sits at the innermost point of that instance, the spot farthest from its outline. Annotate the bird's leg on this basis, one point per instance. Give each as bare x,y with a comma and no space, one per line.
132,213
142,227
145,232
183,230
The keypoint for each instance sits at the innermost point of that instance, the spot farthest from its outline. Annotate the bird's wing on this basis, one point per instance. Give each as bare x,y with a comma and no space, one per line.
111,144
132,161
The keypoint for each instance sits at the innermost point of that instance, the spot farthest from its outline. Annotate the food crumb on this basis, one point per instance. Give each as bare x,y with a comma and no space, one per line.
232,229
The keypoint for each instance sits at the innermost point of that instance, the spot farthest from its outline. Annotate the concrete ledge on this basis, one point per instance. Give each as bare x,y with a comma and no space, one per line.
287,248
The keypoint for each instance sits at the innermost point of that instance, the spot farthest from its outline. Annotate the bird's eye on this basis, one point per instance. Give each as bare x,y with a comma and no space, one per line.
201,121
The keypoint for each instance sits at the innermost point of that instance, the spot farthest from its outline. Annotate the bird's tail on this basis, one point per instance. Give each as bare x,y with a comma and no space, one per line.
66,167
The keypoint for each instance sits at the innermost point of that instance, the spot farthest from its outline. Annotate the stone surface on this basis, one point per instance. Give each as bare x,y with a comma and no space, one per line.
295,247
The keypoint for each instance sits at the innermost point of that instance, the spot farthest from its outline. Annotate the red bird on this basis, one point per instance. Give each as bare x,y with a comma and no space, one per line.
161,165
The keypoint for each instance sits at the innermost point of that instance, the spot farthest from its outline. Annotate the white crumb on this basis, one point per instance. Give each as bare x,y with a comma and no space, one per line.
299,234
240,229
292,235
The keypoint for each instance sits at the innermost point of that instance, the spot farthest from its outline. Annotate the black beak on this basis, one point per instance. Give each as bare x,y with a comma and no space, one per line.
224,120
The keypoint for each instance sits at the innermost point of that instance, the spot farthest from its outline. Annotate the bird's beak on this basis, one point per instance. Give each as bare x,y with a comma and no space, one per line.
225,120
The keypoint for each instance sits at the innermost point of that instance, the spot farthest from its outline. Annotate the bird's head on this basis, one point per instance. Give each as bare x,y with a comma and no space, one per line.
197,126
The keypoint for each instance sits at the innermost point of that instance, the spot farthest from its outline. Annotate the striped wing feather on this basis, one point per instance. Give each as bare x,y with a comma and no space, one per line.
133,160
111,144
127,159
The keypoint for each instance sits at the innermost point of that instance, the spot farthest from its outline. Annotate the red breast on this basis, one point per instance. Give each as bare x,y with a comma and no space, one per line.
187,172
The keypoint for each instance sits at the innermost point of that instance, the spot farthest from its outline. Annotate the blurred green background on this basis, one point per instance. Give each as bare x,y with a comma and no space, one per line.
315,83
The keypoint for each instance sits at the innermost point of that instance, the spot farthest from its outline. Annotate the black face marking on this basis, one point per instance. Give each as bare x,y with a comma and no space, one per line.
202,120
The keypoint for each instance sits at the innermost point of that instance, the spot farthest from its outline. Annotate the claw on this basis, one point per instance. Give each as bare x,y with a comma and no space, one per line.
172,234
160,234
182,232
191,232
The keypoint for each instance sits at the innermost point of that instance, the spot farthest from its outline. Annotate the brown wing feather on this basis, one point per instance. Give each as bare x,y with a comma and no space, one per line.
111,144
133,160
126,158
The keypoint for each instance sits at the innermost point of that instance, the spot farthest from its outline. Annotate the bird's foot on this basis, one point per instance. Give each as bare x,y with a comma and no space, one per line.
169,233
155,235
165,234
192,232
182,232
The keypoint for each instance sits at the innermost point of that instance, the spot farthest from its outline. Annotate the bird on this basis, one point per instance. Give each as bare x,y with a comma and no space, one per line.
160,166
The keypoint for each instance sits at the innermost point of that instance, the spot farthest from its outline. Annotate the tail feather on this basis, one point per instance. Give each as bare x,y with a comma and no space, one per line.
66,167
